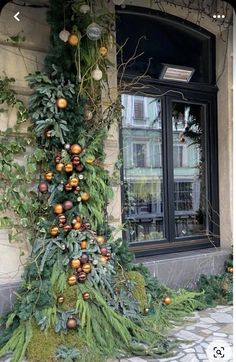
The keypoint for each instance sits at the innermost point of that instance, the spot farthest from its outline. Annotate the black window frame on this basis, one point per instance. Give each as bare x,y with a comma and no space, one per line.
195,93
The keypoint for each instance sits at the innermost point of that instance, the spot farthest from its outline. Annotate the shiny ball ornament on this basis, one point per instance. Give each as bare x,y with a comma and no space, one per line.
54,231
84,196
72,280
58,209
61,103
67,228
84,9
83,244
75,160
73,40
94,32
59,167
74,181
100,239
75,263
68,187
82,276
68,167
230,269
86,296
43,187
67,146
88,115
71,323
60,299
77,225
81,177
62,219
97,74
86,268
75,149
95,262
48,176
103,51
84,258
64,35
90,159
167,300
103,251
67,205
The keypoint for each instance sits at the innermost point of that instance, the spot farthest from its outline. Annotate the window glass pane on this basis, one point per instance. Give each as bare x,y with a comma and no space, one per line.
142,168
189,170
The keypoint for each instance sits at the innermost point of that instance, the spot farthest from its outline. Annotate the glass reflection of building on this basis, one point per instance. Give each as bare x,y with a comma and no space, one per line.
143,168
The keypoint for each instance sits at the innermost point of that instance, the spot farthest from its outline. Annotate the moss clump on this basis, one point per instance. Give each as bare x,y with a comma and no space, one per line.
139,291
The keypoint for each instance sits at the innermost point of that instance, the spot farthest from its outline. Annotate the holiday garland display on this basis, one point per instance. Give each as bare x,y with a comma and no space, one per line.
81,297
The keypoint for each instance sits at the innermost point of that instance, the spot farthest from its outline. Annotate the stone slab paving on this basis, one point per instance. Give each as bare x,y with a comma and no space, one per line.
200,329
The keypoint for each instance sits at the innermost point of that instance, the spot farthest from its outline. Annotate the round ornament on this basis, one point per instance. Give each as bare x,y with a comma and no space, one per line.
90,159
97,74
84,9
167,300
94,31
61,103
54,230
43,187
88,115
230,269
86,296
74,181
84,196
73,40
67,205
71,323
75,263
103,251
84,258
100,239
67,228
68,167
59,167
67,146
72,280
62,218
75,149
64,35
95,262
103,51
68,187
75,160
86,268
60,299
83,244
82,277
58,209
77,225
48,176
81,177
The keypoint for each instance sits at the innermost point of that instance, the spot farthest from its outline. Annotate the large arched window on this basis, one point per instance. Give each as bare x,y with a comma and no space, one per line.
168,134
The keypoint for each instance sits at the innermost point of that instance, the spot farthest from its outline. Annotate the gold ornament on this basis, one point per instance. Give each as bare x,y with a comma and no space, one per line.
73,40
86,268
72,280
75,263
54,230
75,149
90,159
61,103
103,51
59,167
100,239
83,244
58,209
167,300
68,167
74,181
84,196
48,175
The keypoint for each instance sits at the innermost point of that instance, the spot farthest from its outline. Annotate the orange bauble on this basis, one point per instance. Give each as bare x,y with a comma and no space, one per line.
77,225
58,209
75,263
100,239
54,230
103,51
73,40
84,196
83,244
71,323
61,103
74,181
167,300
59,166
68,167
86,267
72,280
75,149
48,176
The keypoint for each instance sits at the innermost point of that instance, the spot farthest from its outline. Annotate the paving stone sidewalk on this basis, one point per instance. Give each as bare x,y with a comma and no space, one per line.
202,328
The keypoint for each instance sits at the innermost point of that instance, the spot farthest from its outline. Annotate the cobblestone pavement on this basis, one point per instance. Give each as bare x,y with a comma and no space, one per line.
202,328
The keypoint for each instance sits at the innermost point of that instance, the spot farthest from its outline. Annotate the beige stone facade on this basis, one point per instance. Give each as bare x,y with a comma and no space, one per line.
17,60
